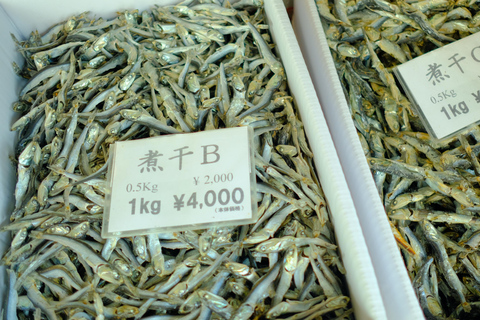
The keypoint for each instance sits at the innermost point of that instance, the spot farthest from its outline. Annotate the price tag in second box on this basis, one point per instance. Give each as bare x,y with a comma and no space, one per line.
444,85
181,181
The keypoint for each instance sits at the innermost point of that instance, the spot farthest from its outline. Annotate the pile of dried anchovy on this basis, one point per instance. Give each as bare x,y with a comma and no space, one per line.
430,189
173,69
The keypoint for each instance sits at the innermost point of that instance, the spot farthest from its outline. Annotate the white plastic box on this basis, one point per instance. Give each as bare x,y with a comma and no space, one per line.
22,16
395,286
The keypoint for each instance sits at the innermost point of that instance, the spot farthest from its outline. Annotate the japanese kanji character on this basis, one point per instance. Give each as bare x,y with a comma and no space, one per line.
180,156
456,62
435,73
150,162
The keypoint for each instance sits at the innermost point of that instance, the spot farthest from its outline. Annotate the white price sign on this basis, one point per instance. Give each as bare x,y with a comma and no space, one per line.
444,84
181,181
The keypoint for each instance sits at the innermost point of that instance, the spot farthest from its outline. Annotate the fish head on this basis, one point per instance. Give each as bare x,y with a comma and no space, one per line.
108,274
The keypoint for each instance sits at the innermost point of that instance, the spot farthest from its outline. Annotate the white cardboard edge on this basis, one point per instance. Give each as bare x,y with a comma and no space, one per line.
8,94
396,288
361,279
29,16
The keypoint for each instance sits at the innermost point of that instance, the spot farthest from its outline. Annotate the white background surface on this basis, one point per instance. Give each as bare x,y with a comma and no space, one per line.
458,83
194,177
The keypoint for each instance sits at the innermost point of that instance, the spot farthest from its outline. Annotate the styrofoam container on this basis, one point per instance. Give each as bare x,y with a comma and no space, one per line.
22,16
395,286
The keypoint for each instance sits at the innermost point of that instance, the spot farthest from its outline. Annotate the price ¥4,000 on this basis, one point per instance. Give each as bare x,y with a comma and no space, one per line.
223,197
211,198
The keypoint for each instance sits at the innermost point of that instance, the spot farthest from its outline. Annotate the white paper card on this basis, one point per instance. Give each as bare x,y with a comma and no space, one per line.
444,84
181,181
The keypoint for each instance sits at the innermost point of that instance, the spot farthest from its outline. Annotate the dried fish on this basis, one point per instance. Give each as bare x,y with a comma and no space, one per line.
172,69
430,189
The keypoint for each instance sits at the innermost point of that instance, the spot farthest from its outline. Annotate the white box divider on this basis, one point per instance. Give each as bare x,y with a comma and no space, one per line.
395,285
